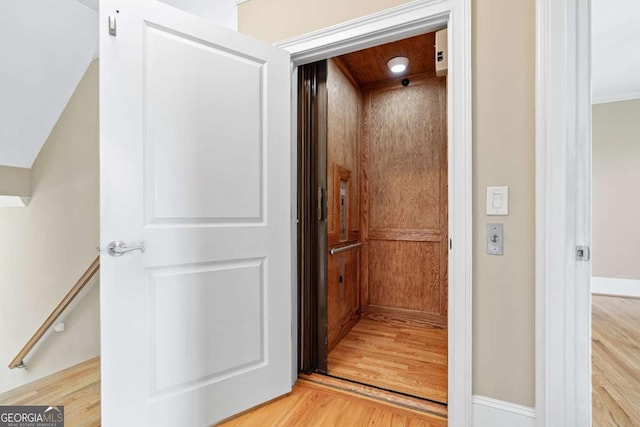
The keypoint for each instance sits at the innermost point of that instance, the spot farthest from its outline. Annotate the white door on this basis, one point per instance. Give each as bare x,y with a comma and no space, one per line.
195,166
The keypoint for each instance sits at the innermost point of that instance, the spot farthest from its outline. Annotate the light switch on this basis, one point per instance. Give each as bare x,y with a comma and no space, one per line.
497,200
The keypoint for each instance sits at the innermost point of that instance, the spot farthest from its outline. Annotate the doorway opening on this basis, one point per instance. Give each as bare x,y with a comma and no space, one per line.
373,208
615,272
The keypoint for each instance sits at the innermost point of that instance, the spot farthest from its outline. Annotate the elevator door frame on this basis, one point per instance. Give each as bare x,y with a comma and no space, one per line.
312,214
404,21
313,192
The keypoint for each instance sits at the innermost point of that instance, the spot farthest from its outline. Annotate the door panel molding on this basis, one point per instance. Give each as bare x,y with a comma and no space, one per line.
401,22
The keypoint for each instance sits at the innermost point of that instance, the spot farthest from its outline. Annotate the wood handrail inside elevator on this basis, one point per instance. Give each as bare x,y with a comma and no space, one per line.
345,248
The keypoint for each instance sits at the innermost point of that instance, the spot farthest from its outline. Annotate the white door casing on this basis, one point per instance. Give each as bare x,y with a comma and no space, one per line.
194,163
563,206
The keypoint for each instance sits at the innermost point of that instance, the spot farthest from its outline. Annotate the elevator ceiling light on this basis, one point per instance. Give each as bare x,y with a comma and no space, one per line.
398,64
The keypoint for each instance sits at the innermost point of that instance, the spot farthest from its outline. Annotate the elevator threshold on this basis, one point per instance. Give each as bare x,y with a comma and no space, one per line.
378,394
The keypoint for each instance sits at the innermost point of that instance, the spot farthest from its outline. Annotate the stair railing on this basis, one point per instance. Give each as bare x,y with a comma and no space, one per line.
18,361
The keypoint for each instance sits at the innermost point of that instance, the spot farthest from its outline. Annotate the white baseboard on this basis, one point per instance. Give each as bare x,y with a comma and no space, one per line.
618,287
488,412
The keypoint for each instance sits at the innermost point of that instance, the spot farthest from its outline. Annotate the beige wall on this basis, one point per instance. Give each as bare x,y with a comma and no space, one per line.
503,154
616,198
277,20
15,181
48,245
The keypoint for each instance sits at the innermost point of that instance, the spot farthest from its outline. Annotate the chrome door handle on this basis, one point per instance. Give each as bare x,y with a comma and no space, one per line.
119,248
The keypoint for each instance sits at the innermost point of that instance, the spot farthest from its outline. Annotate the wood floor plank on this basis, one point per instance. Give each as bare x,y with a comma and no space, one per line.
312,405
76,388
616,378
410,359
402,400
615,354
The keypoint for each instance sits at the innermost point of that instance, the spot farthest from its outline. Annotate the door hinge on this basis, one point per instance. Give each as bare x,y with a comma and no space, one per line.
112,26
583,253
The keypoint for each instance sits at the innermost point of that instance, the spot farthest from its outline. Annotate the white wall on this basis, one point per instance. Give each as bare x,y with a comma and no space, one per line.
48,245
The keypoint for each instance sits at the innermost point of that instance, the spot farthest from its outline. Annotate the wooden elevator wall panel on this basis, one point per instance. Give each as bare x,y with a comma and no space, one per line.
406,147
405,275
343,162
343,127
343,299
404,200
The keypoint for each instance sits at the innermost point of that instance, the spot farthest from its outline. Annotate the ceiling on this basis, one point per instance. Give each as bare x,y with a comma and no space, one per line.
369,66
615,27
93,4
46,47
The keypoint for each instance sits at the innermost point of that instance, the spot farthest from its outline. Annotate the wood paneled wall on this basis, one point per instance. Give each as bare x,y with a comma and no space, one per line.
343,128
343,293
343,133
404,198
389,144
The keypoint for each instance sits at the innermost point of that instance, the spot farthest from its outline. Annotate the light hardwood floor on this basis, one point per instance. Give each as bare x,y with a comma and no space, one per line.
616,361
76,388
312,405
403,358
616,386
309,404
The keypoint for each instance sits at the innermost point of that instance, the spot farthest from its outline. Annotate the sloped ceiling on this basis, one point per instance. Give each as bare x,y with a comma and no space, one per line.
46,47
93,4
615,28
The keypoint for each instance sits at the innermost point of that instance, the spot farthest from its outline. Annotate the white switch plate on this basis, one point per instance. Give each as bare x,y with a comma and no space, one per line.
497,200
